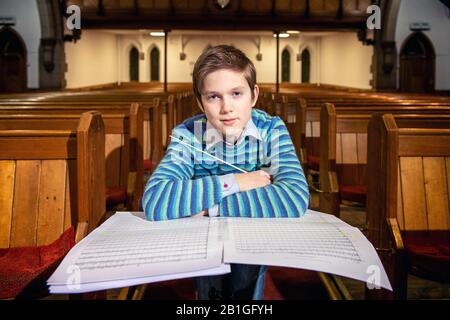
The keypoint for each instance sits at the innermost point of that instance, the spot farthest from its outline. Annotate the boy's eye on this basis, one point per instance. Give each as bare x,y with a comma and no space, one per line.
212,97
236,93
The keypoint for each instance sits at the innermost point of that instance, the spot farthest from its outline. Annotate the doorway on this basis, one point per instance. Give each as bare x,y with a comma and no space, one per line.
13,61
417,64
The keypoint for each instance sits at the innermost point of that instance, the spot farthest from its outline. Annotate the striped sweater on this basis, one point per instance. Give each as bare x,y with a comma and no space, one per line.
186,181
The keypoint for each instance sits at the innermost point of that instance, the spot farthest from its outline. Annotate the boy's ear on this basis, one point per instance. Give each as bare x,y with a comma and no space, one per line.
199,103
255,95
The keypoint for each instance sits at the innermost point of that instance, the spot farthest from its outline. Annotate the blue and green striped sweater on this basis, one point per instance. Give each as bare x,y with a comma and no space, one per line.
186,181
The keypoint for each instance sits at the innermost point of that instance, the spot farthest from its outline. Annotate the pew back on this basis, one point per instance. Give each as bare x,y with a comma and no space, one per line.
51,180
123,141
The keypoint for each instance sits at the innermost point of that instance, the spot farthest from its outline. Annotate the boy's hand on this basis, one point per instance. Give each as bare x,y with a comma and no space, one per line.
200,214
252,180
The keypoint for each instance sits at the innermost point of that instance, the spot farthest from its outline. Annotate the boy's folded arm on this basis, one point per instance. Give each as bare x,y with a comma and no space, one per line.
287,196
172,193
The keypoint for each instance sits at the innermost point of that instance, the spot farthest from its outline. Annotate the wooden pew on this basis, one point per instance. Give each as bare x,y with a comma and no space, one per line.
79,107
292,110
408,200
51,185
123,145
312,123
343,162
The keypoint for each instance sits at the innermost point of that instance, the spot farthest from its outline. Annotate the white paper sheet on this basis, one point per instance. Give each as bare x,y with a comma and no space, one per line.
317,241
128,250
98,286
127,247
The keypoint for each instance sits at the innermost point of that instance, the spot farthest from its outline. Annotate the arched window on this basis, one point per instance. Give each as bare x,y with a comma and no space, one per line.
154,64
134,64
13,61
285,66
306,66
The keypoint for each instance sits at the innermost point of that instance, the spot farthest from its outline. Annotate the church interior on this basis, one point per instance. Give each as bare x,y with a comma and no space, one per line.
90,91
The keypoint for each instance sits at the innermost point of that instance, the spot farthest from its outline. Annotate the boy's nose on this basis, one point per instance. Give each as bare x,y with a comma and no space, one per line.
227,105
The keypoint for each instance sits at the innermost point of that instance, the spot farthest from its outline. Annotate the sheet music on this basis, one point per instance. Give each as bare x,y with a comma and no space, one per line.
105,285
129,250
316,241
127,246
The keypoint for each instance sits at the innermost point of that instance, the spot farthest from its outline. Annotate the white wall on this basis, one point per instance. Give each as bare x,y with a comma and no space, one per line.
103,57
29,28
345,61
181,71
437,15
92,60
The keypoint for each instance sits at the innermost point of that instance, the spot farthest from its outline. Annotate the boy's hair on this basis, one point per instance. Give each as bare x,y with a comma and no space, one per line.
222,57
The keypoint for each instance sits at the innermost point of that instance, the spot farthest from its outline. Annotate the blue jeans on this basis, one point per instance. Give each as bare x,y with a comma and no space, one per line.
245,282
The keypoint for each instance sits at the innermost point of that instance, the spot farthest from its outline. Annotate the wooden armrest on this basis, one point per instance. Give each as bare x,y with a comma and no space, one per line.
131,184
328,186
333,182
334,286
133,203
395,234
303,159
81,232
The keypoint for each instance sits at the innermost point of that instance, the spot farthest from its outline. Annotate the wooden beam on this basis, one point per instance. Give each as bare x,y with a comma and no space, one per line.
340,10
277,33
307,10
100,8
165,59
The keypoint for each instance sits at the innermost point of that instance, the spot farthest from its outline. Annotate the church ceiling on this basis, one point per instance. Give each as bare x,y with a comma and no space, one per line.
223,14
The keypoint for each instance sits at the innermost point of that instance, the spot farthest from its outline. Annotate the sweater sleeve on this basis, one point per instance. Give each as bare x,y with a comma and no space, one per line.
287,196
171,191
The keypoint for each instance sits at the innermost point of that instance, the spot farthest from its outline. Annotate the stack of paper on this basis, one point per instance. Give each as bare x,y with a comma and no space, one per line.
128,250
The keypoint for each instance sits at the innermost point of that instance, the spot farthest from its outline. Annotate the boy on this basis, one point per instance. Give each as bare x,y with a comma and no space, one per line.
189,183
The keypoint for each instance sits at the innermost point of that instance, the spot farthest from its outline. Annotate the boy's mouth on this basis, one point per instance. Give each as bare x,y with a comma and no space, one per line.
229,122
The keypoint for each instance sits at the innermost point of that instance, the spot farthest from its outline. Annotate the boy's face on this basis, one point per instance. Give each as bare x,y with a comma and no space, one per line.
227,102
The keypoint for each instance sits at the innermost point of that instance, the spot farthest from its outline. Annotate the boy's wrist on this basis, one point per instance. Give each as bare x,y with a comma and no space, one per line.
229,184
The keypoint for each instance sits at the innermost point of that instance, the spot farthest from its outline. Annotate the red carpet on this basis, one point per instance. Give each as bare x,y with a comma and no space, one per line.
281,284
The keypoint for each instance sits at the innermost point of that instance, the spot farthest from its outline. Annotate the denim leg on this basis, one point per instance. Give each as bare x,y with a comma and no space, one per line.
258,294
247,281
210,287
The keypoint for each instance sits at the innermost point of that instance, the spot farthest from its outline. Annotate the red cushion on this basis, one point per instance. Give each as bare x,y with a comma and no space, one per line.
355,193
19,267
313,162
429,253
115,195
